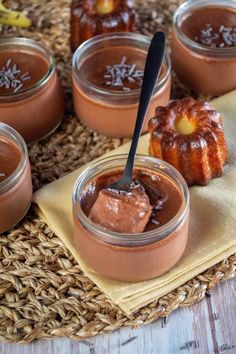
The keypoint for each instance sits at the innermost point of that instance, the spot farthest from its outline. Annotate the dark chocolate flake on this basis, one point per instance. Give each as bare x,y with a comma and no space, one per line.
155,222
11,78
229,35
116,75
126,89
225,36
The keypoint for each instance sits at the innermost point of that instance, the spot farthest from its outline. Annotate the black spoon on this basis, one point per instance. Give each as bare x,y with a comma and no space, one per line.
151,73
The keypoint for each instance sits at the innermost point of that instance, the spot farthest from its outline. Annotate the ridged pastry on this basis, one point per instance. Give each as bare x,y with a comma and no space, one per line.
188,134
92,17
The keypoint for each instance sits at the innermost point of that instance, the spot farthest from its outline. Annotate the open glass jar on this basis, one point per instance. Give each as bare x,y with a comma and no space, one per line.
15,178
32,100
109,111
205,68
130,257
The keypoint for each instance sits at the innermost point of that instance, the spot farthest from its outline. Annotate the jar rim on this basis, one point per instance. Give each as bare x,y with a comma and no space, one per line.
31,45
99,40
11,134
136,239
186,7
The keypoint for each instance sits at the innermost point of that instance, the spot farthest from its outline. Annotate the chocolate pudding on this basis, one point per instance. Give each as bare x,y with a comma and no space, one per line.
115,233
204,45
163,198
20,70
211,26
117,69
107,79
9,157
15,178
124,211
31,97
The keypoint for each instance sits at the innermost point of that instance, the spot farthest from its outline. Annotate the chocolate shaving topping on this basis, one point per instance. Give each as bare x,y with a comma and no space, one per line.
119,74
126,189
225,36
120,191
157,199
2,174
11,77
229,35
155,222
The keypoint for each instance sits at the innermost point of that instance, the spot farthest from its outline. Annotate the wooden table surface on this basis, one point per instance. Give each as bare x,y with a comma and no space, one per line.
207,327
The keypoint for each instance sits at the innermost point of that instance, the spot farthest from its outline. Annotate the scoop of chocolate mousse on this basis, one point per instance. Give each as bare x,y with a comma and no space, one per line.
122,211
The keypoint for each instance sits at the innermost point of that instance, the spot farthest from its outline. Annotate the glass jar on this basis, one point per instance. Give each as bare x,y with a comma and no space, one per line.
131,257
205,69
106,111
16,189
36,110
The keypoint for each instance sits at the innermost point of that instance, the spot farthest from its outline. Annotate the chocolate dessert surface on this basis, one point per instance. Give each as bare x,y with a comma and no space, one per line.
149,204
213,26
118,68
19,70
122,211
10,156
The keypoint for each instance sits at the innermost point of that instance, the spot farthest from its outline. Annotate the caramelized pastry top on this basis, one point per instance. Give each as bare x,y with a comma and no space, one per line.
93,17
185,117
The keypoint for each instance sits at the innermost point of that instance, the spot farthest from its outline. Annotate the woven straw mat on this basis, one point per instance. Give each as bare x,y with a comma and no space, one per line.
43,293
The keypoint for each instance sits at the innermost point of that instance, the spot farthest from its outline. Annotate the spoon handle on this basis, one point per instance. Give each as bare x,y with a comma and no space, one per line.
151,72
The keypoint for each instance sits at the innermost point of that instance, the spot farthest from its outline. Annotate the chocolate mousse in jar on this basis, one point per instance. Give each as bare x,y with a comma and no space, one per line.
107,79
150,220
31,96
15,178
204,45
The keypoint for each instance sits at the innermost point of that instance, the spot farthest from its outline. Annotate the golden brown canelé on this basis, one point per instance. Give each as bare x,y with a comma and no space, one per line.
92,17
188,134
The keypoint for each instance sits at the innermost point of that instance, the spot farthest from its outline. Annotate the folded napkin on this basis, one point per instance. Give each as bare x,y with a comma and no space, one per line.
212,223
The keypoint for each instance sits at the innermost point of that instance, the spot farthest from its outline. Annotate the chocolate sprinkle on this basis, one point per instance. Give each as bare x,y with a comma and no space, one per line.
155,222
225,36
229,35
117,74
126,189
11,78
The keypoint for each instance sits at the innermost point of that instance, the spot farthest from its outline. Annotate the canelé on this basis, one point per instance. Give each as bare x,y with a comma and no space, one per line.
90,18
188,134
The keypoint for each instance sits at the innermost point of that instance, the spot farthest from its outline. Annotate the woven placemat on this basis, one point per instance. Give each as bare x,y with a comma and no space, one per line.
43,293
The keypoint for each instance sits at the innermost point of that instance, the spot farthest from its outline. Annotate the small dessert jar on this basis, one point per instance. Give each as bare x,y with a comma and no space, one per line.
202,65
31,96
130,257
107,111
16,187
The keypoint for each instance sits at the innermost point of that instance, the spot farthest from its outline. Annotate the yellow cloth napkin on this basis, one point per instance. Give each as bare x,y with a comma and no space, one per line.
212,223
